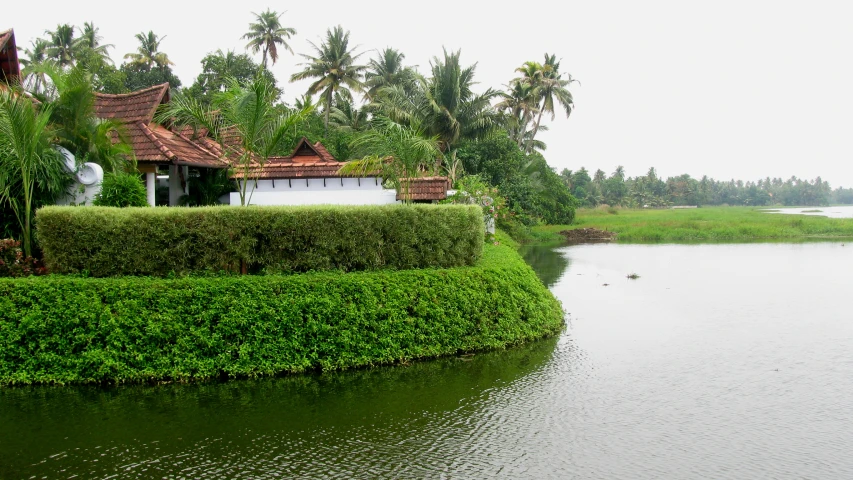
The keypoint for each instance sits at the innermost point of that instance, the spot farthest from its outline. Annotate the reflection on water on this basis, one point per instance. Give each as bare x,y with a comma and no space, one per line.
548,262
336,424
720,361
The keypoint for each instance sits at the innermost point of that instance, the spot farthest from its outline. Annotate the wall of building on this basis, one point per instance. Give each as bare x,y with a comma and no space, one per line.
318,191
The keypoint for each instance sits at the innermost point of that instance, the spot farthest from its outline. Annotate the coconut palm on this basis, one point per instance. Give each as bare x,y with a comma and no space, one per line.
387,70
91,40
444,106
148,52
266,33
28,162
346,116
334,69
398,152
520,104
550,87
243,120
76,127
35,56
60,46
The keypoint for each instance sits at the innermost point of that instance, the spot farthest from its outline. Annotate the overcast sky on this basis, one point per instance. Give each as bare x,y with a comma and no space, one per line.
731,89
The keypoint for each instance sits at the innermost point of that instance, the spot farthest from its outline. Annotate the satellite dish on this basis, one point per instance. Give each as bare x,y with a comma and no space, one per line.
90,174
70,161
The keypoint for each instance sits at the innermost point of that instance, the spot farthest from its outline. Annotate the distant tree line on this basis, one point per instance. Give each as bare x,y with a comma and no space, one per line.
652,191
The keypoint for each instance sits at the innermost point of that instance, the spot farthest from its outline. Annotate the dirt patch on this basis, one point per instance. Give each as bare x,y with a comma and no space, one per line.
588,235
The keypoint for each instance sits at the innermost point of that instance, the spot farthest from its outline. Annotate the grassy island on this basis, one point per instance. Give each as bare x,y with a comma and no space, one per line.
65,329
702,224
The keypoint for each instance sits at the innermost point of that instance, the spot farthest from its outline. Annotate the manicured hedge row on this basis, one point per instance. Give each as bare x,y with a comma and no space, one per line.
59,329
179,241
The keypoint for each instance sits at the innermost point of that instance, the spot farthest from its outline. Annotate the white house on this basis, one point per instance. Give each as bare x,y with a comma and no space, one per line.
311,176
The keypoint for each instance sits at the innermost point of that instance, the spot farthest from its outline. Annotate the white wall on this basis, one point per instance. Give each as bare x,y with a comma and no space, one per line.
336,191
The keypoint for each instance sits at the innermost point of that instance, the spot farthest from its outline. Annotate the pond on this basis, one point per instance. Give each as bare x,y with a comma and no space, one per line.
719,361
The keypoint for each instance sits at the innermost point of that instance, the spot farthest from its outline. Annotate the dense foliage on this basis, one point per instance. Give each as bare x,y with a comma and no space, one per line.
107,242
121,190
77,330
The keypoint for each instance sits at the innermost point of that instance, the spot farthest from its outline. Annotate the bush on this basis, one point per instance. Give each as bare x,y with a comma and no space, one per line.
181,241
13,263
121,190
59,329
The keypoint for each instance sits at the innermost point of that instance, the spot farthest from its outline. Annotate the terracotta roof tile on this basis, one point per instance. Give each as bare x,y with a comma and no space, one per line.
9,66
286,169
425,188
130,107
323,153
153,143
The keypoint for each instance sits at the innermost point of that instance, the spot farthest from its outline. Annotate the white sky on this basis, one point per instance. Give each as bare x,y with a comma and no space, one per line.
731,89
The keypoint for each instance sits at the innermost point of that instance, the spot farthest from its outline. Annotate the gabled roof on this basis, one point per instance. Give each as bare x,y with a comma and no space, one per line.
307,153
306,161
140,105
10,70
424,188
153,143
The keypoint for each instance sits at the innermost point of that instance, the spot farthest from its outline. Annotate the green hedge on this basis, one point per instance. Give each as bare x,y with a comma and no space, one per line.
59,329
180,241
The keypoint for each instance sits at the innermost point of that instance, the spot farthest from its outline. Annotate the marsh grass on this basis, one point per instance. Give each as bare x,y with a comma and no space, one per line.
706,224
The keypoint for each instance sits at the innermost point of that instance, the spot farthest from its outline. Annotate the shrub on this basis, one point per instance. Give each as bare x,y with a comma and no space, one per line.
59,329
182,241
13,263
121,190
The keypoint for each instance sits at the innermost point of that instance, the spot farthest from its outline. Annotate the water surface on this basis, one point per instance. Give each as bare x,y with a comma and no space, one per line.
720,361
845,211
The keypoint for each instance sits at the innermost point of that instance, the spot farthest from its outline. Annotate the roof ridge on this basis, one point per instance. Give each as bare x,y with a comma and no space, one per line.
135,92
156,141
198,146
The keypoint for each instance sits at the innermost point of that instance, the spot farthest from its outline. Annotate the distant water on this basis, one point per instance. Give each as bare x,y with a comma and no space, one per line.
831,212
719,361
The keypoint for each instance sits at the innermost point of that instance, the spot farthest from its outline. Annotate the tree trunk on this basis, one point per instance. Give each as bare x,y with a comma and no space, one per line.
536,127
326,113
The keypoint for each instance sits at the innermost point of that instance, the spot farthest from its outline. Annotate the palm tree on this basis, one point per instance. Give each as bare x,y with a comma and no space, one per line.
266,33
28,162
246,114
334,68
148,53
61,44
445,106
35,56
387,70
346,116
77,128
90,40
520,104
398,152
551,89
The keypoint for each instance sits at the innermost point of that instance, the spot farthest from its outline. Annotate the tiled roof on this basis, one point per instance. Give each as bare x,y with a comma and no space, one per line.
130,107
153,143
287,169
306,161
9,66
425,188
323,153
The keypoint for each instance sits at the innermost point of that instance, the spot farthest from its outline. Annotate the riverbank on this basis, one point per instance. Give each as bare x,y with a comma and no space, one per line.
67,330
701,224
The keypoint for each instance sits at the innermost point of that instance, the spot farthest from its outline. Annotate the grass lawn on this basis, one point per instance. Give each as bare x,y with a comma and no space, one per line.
703,224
